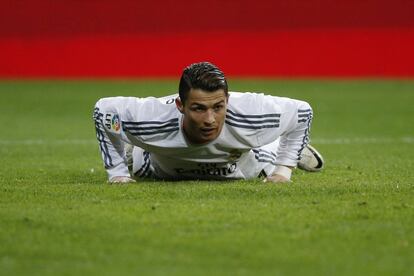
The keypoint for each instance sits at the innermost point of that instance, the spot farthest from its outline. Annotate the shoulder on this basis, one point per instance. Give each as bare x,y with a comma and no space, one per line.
258,103
243,99
152,117
248,119
252,105
133,103
150,108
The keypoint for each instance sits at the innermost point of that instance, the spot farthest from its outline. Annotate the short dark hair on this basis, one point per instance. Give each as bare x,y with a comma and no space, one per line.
202,75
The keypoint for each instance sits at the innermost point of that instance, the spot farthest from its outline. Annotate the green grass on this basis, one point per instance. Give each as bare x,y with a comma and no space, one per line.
59,217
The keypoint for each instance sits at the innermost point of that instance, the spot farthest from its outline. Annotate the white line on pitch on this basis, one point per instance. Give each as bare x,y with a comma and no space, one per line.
363,140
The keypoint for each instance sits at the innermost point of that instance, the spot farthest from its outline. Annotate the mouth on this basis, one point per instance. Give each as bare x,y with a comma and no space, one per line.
207,130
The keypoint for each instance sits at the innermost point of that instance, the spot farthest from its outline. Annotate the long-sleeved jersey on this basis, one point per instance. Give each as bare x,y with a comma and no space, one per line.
155,124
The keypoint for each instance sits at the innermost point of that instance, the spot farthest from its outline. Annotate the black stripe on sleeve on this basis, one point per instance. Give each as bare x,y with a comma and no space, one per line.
174,124
153,132
265,156
305,139
249,121
145,167
151,127
265,152
101,138
260,116
156,123
251,126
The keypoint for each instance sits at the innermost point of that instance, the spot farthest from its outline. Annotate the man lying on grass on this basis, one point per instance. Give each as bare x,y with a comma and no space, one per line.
204,132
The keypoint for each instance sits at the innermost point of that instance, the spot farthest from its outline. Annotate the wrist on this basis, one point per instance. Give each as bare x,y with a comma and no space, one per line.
118,170
283,171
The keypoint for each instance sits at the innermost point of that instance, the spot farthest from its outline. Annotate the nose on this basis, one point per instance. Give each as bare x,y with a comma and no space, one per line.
210,117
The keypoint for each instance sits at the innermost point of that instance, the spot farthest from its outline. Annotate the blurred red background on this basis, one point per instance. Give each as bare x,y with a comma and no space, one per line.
125,38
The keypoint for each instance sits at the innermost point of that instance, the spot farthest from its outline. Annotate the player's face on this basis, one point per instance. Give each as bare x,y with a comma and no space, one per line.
204,114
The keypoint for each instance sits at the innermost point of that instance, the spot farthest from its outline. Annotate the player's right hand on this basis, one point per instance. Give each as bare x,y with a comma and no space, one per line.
121,180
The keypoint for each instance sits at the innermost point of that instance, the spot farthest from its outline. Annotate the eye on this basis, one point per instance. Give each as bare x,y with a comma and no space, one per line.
198,108
218,107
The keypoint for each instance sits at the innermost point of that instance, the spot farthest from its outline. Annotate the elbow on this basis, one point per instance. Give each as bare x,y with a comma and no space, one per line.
305,106
97,111
305,113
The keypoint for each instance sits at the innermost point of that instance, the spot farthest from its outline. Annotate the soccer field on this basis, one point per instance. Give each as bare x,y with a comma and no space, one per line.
58,216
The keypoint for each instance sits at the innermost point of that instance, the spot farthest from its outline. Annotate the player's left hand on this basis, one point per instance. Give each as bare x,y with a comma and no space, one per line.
276,178
121,180
280,175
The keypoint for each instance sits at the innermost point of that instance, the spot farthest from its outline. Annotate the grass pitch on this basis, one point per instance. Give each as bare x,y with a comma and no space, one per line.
59,217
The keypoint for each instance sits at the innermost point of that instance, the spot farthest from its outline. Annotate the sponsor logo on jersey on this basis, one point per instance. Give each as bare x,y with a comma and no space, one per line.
205,169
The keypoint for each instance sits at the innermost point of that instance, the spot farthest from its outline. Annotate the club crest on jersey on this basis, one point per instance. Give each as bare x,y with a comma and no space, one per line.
112,122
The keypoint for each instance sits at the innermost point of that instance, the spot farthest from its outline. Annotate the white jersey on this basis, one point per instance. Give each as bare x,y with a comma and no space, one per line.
241,151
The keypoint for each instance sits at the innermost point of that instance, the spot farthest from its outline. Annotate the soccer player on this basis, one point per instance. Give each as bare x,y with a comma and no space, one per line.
204,132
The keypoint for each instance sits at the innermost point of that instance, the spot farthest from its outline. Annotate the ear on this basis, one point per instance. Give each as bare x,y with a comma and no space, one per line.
179,104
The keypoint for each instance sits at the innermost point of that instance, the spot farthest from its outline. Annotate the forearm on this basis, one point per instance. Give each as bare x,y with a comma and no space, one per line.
110,144
293,141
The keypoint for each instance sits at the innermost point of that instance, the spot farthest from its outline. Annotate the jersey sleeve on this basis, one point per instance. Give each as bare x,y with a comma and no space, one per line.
294,127
114,117
256,120
107,116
